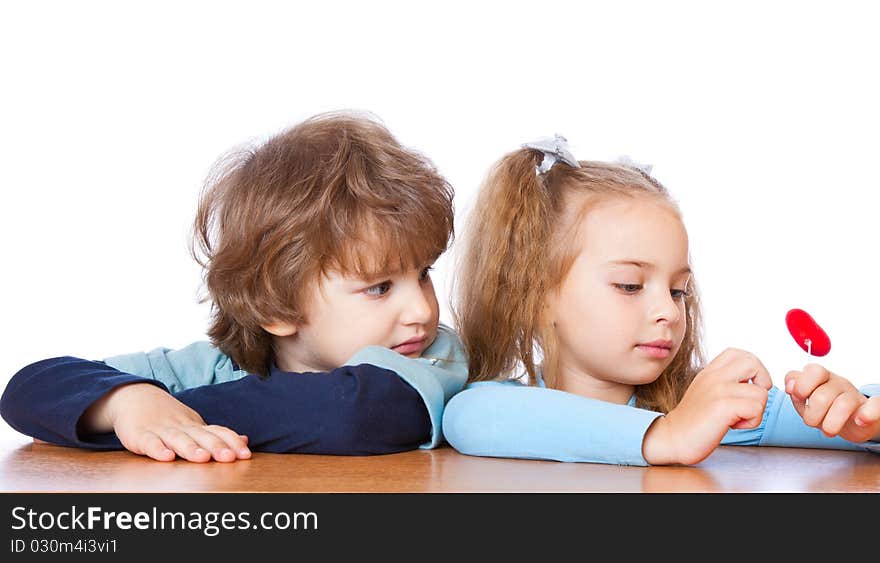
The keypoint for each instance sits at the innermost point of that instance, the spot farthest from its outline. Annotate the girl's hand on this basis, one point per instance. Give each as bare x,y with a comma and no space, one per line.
835,407
150,422
730,392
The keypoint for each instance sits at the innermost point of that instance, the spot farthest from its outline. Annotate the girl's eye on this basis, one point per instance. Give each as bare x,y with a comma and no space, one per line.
379,289
679,293
426,273
628,287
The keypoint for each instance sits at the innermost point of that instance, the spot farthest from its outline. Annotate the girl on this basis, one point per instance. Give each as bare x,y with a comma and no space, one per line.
579,272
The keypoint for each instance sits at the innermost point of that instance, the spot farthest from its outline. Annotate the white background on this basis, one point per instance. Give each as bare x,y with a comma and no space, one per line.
760,117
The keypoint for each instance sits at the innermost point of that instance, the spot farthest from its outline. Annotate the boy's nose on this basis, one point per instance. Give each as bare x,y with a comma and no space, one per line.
418,308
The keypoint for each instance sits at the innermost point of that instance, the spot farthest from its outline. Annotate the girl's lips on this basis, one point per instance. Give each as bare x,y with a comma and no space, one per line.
657,352
410,346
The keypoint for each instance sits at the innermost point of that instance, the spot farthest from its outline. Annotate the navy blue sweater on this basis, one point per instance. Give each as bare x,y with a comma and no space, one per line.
351,410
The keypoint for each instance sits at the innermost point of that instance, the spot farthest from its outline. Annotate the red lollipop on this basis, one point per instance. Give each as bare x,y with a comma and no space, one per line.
807,332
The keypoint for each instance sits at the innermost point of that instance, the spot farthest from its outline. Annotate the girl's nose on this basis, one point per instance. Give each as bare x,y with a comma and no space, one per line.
666,309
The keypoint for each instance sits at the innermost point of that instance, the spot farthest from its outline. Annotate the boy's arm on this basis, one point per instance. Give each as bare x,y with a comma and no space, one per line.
149,421
511,420
198,364
352,410
73,402
437,375
414,390
47,399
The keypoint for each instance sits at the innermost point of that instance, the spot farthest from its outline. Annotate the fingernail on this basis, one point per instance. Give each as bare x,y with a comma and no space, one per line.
226,452
860,422
789,385
201,451
244,452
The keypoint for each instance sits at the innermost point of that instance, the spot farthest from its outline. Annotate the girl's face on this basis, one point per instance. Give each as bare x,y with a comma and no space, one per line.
619,316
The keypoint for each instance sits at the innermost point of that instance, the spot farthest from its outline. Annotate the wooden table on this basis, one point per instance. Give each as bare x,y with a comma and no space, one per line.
28,467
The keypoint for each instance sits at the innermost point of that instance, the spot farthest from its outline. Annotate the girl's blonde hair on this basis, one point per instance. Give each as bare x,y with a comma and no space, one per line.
519,249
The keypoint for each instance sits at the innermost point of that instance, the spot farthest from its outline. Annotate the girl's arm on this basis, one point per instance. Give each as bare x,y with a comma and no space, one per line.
783,426
512,420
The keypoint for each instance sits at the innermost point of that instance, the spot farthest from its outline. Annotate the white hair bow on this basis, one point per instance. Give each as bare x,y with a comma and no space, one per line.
627,161
554,148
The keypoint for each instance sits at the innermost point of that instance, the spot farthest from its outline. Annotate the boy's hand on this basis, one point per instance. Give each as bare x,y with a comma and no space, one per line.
149,421
719,398
835,405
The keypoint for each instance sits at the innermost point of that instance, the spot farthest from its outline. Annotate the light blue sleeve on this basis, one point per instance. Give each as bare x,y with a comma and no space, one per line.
195,365
437,375
781,425
871,390
508,419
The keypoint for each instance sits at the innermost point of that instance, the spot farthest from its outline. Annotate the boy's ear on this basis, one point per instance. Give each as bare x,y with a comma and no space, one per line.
280,329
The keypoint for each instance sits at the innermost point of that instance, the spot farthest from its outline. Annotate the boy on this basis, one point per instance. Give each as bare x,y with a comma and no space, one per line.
317,247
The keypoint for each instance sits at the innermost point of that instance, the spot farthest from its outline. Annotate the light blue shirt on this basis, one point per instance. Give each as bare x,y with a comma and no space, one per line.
509,419
439,373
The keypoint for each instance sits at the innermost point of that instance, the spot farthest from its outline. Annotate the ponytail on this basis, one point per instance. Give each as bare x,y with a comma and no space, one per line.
503,274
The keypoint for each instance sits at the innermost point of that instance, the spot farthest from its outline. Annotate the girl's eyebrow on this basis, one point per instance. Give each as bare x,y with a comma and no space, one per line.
646,265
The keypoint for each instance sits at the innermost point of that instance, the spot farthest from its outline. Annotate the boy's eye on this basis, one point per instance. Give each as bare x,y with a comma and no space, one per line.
379,289
424,274
628,287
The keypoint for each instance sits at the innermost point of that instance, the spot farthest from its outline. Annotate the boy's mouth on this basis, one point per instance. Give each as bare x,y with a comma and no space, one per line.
411,346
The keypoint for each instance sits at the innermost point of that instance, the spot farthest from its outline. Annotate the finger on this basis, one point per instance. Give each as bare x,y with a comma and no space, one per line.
746,391
233,440
748,413
790,379
762,377
816,405
152,446
869,413
213,443
725,358
746,366
839,413
798,404
184,445
812,377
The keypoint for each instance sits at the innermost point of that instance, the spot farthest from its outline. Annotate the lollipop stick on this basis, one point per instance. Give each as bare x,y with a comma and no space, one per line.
809,344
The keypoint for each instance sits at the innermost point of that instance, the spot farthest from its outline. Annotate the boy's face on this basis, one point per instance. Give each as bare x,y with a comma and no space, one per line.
345,313
619,315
